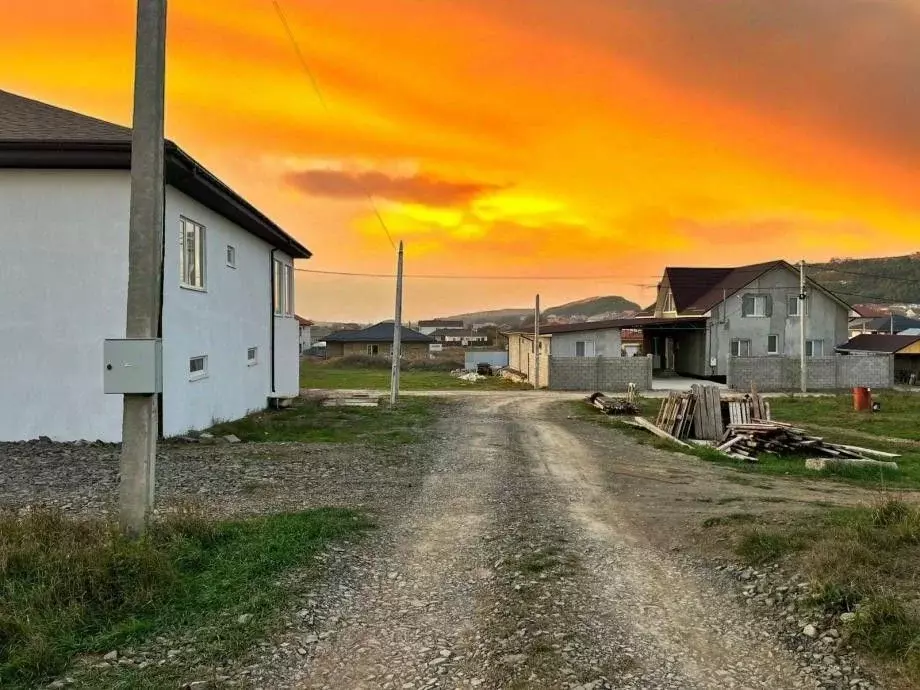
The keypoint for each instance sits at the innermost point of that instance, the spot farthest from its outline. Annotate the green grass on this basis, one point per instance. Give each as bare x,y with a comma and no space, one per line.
864,559
71,587
897,418
327,375
308,421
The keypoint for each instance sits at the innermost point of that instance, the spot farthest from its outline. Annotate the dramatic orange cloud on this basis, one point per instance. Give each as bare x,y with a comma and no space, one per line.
523,137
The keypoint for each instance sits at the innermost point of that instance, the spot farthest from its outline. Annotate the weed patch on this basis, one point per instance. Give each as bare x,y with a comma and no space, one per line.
77,587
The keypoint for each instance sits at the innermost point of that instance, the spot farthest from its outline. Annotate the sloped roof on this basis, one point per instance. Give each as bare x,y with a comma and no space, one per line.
884,323
697,290
456,333
378,333
633,323
39,135
441,323
878,342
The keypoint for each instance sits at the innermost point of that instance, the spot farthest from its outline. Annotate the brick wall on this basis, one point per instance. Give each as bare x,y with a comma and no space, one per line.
599,373
824,373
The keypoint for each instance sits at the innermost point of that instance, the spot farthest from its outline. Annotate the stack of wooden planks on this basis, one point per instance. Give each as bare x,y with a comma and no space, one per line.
748,439
708,424
675,417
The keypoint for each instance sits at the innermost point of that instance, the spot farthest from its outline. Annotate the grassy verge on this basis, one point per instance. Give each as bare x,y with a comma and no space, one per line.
862,560
906,476
330,375
896,419
308,421
70,588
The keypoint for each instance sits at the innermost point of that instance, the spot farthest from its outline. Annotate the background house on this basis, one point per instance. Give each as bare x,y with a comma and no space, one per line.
708,315
456,337
431,325
377,341
230,339
904,348
306,335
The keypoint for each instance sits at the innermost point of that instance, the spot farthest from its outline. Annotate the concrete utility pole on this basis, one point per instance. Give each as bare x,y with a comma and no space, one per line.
803,303
145,259
397,330
536,344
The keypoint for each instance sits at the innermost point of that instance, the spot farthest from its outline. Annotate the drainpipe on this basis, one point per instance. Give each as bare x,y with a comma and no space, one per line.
271,344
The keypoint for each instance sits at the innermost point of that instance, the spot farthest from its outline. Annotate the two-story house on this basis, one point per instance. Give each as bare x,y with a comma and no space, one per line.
704,316
230,339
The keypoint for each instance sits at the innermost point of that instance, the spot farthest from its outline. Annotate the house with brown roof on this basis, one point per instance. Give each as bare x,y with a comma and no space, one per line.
702,317
905,349
227,328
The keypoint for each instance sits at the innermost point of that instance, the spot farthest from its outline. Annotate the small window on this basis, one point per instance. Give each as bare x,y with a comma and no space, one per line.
814,348
741,348
284,289
373,350
580,349
198,367
794,304
252,355
755,306
669,306
191,254
231,256
772,344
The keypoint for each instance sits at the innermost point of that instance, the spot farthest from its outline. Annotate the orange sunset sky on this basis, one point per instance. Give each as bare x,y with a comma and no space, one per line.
522,137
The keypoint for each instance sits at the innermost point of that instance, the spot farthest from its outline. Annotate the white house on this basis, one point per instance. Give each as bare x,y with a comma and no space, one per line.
306,335
230,339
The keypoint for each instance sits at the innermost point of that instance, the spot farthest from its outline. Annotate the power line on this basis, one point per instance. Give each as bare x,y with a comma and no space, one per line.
435,276
322,99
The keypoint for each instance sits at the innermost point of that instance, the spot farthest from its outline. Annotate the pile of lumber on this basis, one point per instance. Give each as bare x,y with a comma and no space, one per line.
702,413
613,406
746,440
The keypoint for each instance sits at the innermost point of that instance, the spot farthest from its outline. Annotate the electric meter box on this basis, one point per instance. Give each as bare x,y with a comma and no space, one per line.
133,366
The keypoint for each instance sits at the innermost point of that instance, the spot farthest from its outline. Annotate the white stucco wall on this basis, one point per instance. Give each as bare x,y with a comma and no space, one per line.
222,322
63,285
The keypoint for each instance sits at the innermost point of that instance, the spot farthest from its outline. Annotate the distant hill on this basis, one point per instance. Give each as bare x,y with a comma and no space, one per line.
579,310
884,279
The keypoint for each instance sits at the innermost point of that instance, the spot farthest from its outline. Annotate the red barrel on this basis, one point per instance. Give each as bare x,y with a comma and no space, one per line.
862,399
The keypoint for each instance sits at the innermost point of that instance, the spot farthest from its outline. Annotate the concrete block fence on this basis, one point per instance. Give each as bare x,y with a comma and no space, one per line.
599,373
823,373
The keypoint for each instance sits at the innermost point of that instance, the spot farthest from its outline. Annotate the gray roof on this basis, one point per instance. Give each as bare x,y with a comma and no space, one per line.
38,135
378,333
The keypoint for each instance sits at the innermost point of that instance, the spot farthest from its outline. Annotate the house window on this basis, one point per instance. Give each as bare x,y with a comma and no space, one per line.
231,256
580,349
252,355
198,367
669,306
793,305
755,305
373,350
741,348
584,348
772,344
191,254
284,289
814,348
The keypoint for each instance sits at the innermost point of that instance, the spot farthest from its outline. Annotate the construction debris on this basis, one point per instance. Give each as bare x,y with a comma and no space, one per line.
612,406
704,412
826,463
747,441
645,424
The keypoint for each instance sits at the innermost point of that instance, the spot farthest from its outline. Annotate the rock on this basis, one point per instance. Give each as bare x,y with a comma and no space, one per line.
832,633
232,438
206,435
810,631
60,683
244,618
847,617
747,574
111,656
444,652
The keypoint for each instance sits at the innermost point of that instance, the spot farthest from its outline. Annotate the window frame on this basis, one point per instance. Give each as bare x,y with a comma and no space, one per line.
373,350
669,306
795,299
810,345
201,373
755,298
283,288
231,256
775,350
254,358
584,348
201,255
738,342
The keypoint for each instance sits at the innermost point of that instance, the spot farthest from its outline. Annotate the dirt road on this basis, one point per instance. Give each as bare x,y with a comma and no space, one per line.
540,552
